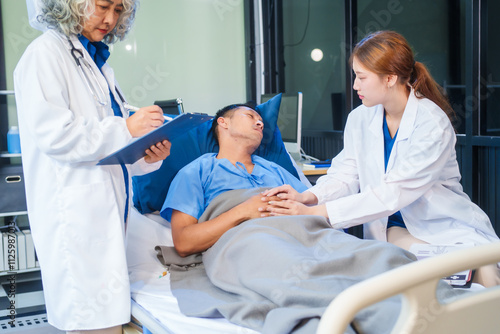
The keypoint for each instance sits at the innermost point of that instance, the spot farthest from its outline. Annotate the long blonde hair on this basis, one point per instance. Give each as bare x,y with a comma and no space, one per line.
69,17
387,52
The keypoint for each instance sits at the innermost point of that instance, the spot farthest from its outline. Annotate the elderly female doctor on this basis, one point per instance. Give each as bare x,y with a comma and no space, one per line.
71,115
397,174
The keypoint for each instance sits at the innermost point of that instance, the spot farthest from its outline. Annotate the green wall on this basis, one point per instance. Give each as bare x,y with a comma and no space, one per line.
192,49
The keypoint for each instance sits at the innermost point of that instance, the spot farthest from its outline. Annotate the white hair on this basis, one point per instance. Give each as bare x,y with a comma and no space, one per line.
69,17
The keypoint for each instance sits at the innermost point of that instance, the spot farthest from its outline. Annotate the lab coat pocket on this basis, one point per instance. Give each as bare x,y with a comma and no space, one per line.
91,212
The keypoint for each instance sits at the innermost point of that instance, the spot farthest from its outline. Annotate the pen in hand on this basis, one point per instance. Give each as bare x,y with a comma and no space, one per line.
132,108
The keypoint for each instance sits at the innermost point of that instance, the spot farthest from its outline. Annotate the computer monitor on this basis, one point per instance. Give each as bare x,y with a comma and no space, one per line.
171,107
289,120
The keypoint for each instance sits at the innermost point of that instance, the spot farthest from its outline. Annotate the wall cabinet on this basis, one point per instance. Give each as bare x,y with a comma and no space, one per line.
20,280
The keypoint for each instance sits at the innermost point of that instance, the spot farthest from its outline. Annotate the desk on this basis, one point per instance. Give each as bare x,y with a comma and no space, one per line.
312,174
318,171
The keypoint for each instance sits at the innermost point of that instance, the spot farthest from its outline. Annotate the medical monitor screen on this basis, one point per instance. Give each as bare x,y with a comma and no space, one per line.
289,119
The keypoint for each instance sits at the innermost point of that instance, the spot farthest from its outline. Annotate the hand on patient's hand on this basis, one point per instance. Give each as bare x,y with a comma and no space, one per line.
286,208
144,120
158,152
252,207
286,191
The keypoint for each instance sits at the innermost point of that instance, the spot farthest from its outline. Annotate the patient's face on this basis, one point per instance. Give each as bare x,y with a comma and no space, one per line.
246,123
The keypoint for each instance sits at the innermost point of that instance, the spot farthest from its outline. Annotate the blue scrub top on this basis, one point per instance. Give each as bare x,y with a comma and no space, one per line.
194,187
395,219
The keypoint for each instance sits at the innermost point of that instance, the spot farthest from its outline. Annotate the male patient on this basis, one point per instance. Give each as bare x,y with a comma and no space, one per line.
238,130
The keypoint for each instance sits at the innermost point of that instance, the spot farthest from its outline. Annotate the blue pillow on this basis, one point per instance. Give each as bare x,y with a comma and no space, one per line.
150,190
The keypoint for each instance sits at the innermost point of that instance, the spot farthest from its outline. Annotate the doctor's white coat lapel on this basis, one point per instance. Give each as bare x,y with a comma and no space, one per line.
103,82
109,75
406,127
377,142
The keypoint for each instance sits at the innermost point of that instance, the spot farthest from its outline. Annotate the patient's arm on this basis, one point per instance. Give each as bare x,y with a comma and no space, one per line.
192,237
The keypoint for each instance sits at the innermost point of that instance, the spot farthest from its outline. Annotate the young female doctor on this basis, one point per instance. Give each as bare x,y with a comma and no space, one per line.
71,115
397,174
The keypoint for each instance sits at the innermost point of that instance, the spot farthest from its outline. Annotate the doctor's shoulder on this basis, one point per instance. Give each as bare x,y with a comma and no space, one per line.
431,114
42,54
48,45
363,114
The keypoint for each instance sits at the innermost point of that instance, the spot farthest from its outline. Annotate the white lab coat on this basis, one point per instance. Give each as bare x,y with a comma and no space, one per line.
422,178
75,208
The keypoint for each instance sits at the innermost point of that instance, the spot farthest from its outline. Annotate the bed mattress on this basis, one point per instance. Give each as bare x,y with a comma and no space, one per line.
152,301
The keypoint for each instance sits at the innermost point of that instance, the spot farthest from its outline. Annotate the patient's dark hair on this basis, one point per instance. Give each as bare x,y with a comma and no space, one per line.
227,111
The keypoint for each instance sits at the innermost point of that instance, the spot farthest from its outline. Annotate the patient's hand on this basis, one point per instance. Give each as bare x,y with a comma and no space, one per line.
290,208
287,192
253,207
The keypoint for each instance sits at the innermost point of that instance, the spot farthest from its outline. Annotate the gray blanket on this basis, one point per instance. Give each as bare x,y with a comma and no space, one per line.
278,274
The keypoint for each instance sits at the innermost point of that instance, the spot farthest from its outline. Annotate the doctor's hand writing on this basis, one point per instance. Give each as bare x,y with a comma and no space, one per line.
144,120
158,152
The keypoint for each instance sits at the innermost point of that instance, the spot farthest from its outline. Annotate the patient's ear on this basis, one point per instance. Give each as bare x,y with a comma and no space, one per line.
221,121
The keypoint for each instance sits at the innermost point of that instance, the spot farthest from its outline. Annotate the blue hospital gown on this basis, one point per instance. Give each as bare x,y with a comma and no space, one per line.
194,187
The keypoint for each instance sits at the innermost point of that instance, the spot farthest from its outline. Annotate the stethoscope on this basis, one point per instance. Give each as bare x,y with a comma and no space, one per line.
94,87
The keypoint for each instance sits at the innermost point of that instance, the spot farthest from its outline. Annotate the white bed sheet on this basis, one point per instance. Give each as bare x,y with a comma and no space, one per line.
151,290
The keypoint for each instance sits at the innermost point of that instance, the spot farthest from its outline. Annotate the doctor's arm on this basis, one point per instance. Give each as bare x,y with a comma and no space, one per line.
414,173
342,178
141,122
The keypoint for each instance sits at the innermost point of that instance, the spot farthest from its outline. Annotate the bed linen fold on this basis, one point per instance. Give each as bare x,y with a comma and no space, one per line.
278,274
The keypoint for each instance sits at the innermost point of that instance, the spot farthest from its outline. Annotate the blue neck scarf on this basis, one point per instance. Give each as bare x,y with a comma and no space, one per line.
98,51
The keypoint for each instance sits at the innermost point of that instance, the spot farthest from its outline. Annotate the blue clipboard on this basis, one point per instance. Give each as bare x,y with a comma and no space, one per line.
171,129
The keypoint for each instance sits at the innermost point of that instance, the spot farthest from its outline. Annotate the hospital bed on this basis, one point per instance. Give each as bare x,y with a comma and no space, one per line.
154,306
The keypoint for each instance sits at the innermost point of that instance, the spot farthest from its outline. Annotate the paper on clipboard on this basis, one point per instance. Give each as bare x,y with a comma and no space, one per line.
171,129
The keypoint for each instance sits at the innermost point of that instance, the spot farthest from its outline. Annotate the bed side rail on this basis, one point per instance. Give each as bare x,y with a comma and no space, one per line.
421,312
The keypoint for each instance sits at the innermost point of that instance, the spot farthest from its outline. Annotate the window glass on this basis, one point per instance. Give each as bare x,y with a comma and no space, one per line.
313,44
435,31
491,123
181,57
